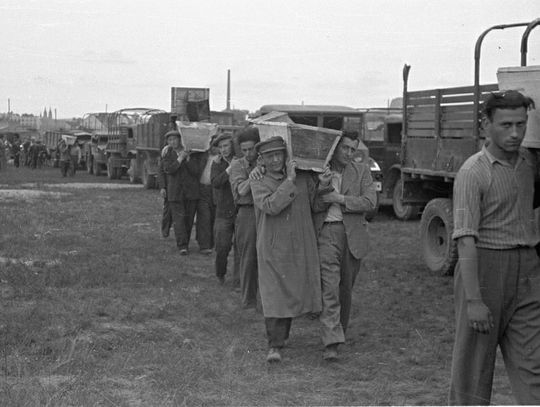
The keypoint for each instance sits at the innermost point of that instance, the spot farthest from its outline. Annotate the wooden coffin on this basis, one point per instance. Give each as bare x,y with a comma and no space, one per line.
196,136
311,147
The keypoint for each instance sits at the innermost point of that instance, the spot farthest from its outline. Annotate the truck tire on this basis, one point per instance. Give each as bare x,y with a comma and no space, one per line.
436,227
149,181
402,212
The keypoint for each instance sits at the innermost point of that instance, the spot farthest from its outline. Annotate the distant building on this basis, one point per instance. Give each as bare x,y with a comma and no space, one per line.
29,121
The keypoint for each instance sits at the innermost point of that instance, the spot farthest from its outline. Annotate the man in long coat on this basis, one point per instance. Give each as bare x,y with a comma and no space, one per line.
289,278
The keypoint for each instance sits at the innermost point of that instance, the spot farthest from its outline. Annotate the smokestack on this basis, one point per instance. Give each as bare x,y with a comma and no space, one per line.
228,89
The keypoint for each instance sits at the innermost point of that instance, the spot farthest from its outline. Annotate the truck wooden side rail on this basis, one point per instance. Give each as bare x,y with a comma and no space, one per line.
441,129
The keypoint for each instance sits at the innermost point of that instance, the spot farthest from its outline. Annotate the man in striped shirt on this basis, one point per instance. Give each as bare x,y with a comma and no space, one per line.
497,279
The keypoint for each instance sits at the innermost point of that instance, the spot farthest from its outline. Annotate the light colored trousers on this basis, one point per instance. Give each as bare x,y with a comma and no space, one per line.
338,272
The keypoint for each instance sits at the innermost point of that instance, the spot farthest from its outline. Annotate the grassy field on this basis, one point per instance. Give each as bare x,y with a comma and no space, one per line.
99,310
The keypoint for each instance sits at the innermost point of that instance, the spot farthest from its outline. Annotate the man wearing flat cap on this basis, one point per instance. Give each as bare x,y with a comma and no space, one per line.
245,236
181,193
289,278
225,208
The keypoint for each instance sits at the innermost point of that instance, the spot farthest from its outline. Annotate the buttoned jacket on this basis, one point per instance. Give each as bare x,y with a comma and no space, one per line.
360,196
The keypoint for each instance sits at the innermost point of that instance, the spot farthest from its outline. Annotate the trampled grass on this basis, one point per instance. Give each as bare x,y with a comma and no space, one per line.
98,309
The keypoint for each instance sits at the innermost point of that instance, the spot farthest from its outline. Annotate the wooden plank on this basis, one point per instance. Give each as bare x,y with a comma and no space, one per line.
420,152
421,133
421,102
458,116
421,109
457,124
457,99
418,117
457,133
422,125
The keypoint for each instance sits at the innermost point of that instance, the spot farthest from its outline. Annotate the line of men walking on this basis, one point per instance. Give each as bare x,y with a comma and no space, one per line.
299,238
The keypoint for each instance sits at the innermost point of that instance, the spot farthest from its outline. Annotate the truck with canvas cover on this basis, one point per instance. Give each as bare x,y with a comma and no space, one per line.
94,153
131,128
441,129
147,134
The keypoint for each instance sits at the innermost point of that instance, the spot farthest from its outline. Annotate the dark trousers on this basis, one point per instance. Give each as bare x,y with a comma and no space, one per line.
224,232
339,269
510,287
245,241
65,167
206,213
277,331
166,219
183,213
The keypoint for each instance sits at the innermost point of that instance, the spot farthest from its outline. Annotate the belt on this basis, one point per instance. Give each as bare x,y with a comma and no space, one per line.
334,222
245,205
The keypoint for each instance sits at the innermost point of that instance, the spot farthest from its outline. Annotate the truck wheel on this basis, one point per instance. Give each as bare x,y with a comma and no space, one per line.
402,212
436,227
148,180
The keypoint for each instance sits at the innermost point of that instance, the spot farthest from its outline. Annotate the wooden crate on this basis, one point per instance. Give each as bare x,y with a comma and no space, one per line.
311,147
525,79
196,136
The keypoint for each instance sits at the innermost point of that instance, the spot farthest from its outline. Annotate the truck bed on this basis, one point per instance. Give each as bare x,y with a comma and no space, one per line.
439,131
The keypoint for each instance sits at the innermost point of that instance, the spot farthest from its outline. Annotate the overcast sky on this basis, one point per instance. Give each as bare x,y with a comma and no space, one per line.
82,56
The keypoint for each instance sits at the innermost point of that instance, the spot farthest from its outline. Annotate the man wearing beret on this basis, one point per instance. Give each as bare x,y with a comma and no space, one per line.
181,194
225,208
343,240
245,231
289,278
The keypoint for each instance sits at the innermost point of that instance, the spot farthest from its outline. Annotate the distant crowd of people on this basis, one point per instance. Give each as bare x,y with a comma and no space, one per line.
33,154
298,238
30,153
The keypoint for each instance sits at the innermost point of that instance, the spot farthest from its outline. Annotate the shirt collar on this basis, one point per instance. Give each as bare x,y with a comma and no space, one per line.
492,159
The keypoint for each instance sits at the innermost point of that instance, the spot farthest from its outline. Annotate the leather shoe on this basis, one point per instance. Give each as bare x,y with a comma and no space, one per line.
330,353
273,355
183,252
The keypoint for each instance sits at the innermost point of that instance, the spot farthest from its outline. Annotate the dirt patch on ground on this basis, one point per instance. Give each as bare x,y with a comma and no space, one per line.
33,191
85,185
29,194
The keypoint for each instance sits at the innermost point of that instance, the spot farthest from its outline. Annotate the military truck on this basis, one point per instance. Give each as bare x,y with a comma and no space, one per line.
441,129
147,135
94,153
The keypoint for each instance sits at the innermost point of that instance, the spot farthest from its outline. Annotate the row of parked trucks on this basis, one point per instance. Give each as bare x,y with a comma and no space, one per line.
127,142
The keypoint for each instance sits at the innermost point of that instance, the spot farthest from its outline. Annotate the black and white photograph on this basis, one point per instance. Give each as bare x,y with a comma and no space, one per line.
269,203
